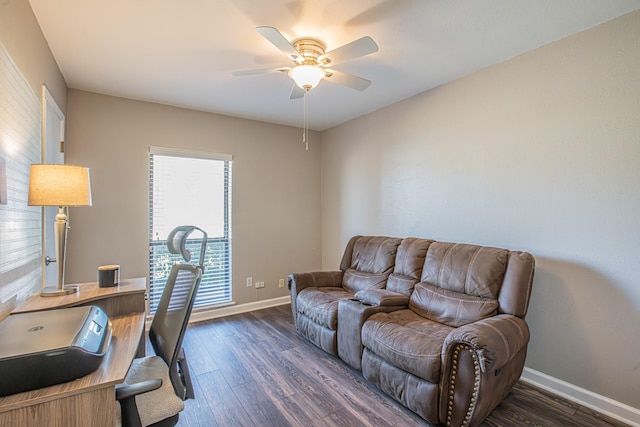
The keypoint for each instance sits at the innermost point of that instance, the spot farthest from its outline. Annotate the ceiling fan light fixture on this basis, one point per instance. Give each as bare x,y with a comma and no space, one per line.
307,76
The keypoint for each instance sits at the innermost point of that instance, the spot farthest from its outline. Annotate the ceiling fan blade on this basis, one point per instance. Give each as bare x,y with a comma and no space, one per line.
296,92
259,71
279,41
355,49
349,80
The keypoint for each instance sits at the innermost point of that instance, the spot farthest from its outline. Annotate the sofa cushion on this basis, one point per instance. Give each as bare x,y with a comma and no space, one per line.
410,257
408,341
408,267
449,307
354,280
371,254
468,269
401,284
321,304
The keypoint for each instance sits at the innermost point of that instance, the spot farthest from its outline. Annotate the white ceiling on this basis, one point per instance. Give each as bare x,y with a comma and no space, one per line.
182,52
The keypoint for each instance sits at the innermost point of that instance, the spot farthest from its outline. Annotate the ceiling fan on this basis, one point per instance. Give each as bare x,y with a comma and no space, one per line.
311,62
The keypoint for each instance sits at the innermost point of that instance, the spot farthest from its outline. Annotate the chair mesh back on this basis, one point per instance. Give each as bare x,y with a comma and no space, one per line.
171,318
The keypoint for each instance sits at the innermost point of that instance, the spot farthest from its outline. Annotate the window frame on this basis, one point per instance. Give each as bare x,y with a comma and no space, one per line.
226,240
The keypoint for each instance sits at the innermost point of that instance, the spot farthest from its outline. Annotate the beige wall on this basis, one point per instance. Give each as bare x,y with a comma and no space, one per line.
540,153
21,35
276,189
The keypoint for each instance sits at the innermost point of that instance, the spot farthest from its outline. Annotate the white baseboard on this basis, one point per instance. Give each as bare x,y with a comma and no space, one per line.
229,310
614,409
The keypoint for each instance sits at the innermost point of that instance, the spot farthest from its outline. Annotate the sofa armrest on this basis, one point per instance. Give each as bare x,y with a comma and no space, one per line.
296,282
382,297
496,340
481,361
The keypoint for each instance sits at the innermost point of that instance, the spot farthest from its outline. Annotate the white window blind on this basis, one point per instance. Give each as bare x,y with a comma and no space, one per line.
190,188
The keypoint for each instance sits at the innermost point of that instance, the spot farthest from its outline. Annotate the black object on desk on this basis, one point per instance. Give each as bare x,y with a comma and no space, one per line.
50,347
108,276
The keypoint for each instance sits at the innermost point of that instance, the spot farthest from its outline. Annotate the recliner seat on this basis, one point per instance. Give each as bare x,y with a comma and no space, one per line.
366,264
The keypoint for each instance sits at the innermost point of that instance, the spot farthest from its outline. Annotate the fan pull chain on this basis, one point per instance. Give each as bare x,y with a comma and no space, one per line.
305,122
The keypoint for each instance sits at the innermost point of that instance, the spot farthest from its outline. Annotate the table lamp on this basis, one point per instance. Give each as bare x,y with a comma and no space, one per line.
61,186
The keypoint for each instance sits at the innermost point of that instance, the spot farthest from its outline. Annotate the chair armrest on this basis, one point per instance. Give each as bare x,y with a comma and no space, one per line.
296,282
126,395
496,340
383,298
125,391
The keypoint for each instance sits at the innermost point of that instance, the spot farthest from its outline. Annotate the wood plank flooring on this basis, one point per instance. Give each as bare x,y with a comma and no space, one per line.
253,369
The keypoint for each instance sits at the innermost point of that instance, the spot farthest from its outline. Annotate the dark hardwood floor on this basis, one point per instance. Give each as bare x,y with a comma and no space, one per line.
253,369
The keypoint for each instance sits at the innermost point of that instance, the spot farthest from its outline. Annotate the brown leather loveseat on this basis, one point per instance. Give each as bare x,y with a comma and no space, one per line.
437,326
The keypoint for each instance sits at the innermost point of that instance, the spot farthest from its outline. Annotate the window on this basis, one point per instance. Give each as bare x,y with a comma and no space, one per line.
190,188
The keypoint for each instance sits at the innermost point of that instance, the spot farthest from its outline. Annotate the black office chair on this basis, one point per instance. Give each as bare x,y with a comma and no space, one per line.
156,386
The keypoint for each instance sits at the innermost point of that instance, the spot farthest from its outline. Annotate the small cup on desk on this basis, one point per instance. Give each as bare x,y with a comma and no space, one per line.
108,276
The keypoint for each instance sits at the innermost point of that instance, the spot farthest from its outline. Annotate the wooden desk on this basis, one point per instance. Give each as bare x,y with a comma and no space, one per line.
126,298
88,401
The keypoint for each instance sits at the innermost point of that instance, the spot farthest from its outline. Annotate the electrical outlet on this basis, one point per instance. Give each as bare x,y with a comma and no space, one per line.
249,282
259,285
281,283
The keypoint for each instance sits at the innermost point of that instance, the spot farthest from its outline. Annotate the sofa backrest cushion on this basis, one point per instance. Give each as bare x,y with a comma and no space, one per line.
401,284
371,254
478,271
408,265
355,281
449,307
467,269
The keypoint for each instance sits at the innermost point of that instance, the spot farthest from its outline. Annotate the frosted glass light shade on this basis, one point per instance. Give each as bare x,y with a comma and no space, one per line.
59,185
306,76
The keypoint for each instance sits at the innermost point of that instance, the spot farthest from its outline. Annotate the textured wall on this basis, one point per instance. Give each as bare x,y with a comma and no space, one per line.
540,153
26,64
20,225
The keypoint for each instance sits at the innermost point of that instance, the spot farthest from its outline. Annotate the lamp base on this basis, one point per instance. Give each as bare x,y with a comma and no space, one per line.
55,292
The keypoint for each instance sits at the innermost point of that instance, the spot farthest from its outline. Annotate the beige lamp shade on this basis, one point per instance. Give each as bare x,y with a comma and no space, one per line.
59,185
